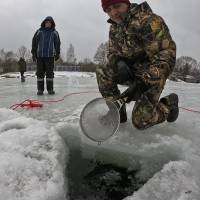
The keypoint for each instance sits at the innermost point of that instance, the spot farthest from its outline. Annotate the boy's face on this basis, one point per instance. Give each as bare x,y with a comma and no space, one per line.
116,11
47,24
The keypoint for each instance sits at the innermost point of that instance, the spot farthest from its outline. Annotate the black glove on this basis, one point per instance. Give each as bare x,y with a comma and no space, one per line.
57,56
34,58
134,92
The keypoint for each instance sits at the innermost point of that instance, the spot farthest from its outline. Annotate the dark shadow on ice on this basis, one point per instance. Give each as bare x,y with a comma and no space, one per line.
110,182
92,180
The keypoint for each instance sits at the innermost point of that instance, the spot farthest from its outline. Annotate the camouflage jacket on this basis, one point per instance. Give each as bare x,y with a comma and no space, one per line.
143,37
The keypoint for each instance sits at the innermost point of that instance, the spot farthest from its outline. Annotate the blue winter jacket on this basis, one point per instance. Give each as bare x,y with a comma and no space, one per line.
46,41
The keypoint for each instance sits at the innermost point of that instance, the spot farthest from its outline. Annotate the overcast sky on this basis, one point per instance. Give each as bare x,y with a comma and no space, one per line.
83,23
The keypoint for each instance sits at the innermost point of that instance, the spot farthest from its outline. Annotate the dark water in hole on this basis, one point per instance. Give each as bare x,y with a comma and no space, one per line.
92,180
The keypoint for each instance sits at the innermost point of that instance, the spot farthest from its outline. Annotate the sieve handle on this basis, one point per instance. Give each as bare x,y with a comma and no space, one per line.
121,102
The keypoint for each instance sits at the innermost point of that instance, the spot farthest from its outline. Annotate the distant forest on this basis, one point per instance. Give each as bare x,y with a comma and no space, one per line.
185,65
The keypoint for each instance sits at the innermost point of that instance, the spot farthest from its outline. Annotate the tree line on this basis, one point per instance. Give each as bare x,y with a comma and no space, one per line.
185,65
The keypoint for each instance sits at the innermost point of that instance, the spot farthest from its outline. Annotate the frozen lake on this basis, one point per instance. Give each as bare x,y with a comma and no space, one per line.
165,157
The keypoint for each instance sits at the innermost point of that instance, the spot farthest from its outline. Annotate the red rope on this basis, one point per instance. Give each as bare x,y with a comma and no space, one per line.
190,110
35,103
27,103
15,106
70,94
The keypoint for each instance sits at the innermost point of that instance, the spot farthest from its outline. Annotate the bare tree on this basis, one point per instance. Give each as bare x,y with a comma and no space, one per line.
186,60
10,56
28,56
186,70
2,55
100,56
86,61
7,56
23,52
8,61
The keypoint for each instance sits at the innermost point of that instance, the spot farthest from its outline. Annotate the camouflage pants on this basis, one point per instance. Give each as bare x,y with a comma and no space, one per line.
148,110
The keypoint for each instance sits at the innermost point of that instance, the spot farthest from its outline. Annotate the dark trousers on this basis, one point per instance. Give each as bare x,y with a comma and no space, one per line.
22,73
45,67
22,76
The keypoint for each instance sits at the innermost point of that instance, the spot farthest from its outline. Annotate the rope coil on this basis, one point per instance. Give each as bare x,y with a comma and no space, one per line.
27,103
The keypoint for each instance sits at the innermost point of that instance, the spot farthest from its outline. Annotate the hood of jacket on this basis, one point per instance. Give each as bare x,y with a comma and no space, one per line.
49,18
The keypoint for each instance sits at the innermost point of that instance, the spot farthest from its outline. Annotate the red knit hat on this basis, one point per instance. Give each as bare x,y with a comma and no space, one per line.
106,3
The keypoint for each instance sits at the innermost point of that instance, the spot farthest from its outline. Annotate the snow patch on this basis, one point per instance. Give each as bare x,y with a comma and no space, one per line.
174,182
33,159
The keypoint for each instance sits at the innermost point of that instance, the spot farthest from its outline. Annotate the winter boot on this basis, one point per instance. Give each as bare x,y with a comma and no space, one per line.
51,92
171,101
39,93
40,86
49,82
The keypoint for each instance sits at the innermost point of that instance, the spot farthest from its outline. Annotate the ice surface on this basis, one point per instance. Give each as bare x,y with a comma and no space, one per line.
167,156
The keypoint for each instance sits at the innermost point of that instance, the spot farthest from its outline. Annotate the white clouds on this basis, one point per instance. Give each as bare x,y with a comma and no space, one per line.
83,23
182,18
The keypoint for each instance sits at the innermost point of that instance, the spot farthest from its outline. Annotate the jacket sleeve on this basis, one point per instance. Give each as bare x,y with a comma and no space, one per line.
158,44
57,43
34,43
